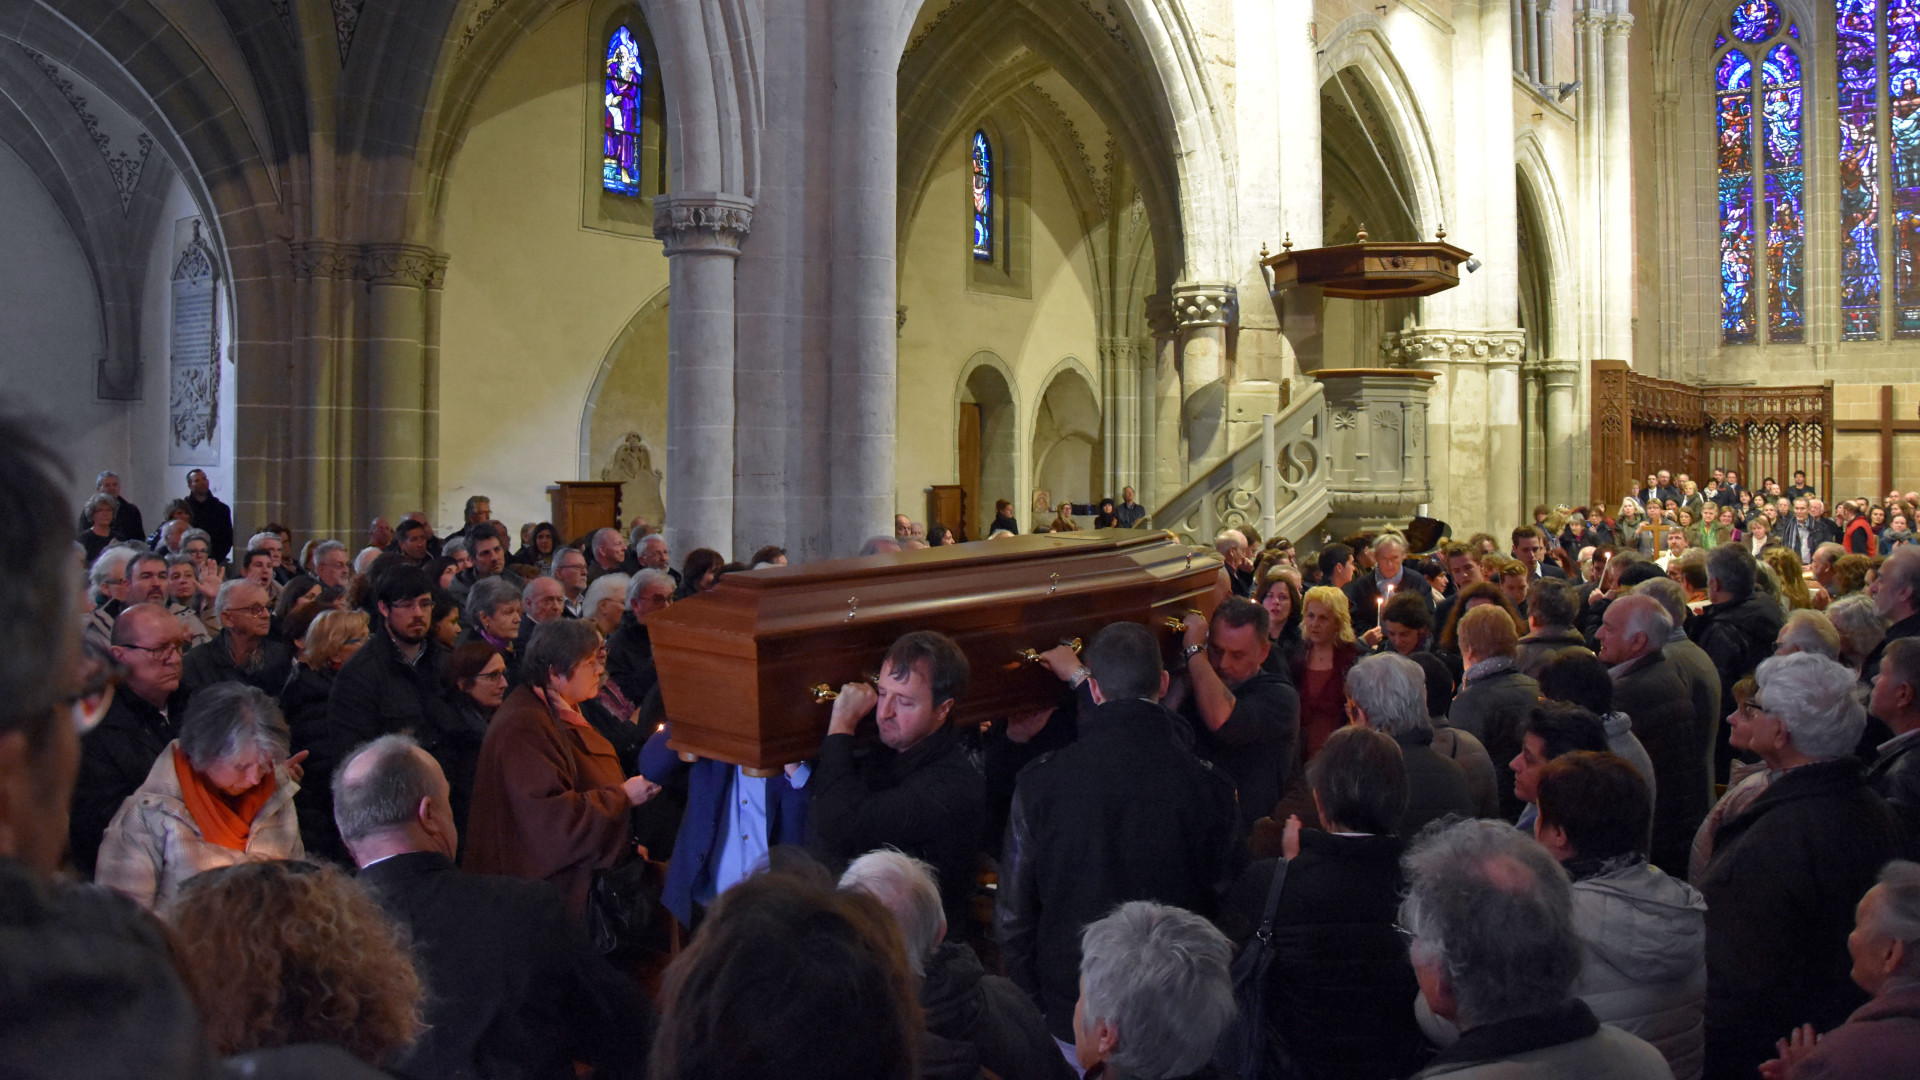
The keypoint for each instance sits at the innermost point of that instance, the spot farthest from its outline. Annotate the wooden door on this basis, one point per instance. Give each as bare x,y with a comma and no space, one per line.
974,525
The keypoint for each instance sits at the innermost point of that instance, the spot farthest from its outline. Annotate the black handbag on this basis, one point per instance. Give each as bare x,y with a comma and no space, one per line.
619,908
1249,1048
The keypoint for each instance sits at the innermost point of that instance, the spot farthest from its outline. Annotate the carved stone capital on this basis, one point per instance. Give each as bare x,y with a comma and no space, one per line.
1618,26
1406,348
408,265
321,259
706,222
1160,320
1196,305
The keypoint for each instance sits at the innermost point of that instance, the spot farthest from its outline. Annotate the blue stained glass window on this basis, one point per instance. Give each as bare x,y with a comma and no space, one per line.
1859,90
1785,182
620,142
982,197
1755,20
1733,82
1903,107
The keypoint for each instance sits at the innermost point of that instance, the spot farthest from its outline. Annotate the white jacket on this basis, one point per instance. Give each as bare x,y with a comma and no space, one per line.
1644,938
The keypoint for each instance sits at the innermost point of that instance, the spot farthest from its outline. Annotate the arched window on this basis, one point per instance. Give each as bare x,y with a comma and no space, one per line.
1769,175
982,197
620,142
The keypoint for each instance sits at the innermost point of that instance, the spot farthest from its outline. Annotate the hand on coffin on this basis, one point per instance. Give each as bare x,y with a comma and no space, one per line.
856,700
1196,630
1062,661
1022,727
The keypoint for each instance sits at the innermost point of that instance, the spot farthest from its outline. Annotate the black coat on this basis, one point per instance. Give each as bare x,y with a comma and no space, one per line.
1363,594
1491,709
630,660
454,738
304,704
213,516
1654,696
1736,636
513,987
1341,990
1896,776
212,662
1436,785
1780,894
966,1005
929,802
1258,747
1124,813
1905,628
115,758
376,693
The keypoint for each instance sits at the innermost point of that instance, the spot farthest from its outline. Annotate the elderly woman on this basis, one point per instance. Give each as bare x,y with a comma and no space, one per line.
1340,992
1786,874
220,794
286,953
99,531
1860,627
1320,671
1495,697
1808,632
493,614
1156,993
1744,783
550,800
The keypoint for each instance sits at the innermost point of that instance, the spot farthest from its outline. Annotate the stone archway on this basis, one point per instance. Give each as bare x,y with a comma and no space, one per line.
986,441
623,426
1068,450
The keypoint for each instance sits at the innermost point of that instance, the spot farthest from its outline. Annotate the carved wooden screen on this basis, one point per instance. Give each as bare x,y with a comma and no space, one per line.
1642,425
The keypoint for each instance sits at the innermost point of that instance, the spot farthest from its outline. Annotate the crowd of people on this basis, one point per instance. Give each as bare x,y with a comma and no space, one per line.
1614,798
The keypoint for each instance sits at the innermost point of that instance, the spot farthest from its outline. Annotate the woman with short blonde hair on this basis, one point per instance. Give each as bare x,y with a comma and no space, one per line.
1335,601
332,639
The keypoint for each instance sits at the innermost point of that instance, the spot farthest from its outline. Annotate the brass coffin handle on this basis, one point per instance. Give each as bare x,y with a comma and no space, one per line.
1033,655
822,693
1179,625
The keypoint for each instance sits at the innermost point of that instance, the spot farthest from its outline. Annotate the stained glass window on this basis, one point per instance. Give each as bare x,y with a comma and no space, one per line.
1859,92
620,143
1733,82
1903,113
1785,182
982,197
1755,20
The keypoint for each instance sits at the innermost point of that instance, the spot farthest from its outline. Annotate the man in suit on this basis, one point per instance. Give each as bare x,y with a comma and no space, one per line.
1530,547
1367,595
517,989
1653,693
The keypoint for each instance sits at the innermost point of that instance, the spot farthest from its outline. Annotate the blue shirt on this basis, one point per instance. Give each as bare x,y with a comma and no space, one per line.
745,843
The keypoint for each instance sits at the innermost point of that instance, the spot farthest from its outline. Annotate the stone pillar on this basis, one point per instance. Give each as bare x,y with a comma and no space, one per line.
1506,451
1204,312
1533,490
1617,178
1473,421
322,488
1169,456
430,355
1119,376
395,446
1561,379
701,232
863,343
1543,14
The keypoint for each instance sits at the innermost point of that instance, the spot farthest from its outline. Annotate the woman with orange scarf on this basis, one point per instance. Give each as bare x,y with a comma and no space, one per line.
220,794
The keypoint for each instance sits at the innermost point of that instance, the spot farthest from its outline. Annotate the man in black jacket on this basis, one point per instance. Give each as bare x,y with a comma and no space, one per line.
1896,701
1896,598
1650,689
210,515
393,684
1366,595
1737,630
630,650
1124,813
116,756
516,988
1245,719
917,791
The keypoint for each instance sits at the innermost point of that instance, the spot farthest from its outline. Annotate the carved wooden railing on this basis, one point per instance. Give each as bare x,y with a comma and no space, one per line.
1643,424
1229,494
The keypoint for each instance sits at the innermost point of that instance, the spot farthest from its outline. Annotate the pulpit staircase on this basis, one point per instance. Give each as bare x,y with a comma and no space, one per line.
1279,481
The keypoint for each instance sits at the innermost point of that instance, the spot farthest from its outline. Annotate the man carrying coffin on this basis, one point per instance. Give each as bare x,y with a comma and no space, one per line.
917,791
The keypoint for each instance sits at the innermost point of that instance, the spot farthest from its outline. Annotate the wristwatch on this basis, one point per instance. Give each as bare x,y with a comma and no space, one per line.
1080,675
1191,651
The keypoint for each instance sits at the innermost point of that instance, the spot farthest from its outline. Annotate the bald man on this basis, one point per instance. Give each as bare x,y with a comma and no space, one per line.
116,756
1654,694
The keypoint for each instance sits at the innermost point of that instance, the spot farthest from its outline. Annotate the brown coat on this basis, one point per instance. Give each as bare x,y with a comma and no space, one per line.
547,801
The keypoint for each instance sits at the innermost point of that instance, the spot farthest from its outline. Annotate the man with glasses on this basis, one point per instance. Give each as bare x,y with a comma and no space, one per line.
570,569
629,649
393,683
116,756
331,564
243,651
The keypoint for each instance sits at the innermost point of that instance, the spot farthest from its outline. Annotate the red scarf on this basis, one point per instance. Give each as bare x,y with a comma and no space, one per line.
223,819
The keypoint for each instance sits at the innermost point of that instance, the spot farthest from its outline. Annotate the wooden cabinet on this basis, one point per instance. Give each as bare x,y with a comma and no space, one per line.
581,506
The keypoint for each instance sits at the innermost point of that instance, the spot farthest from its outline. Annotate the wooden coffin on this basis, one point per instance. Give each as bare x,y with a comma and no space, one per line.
737,665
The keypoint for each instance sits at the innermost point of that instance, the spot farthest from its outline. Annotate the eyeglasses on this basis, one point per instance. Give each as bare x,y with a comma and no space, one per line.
159,652
255,610
492,676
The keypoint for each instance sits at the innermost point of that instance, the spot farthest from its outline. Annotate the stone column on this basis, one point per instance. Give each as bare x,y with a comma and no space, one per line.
1505,452
1119,375
701,232
1561,379
394,444
1169,457
430,354
1534,489
1543,14
1617,178
323,376
1204,312
1473,422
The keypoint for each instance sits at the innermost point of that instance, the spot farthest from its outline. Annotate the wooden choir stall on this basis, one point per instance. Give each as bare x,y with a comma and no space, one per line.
747,670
